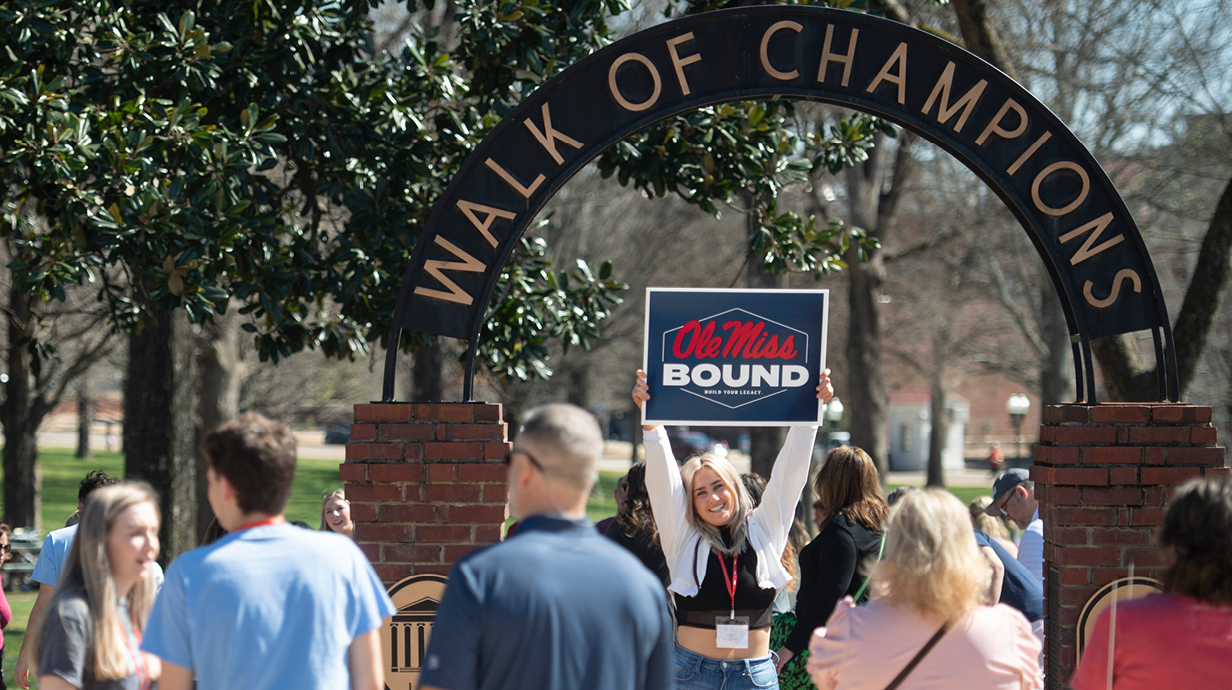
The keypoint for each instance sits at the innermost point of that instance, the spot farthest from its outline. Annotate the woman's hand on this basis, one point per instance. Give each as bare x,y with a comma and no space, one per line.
641,393
825,391
784,656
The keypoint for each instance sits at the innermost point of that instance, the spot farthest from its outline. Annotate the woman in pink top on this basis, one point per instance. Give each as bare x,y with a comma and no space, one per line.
6,552
1182,638
931,577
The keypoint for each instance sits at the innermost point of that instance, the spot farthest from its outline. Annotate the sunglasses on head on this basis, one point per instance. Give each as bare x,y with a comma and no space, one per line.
509,458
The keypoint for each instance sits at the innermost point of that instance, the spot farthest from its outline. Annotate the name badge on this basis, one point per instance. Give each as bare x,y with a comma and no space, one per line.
731,633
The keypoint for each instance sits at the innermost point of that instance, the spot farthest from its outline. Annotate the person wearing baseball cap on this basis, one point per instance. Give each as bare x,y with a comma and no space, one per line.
1013,497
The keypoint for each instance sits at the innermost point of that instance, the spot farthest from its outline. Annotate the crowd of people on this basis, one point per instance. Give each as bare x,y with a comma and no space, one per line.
263,603
910,590
704,579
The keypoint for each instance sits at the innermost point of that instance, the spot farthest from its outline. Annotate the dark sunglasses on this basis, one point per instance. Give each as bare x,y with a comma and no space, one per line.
509,458
6,548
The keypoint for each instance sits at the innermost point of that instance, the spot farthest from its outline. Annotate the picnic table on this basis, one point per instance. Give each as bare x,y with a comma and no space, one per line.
25,549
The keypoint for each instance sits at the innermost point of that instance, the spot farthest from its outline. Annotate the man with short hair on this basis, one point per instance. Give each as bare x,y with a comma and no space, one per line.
51,560
268,606
557,607
1013,496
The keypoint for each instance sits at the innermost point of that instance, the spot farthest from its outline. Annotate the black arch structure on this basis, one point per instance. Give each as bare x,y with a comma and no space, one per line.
1064,200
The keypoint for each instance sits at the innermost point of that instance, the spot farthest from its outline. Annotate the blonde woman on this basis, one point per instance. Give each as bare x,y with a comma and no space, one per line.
993,527
90,634
928,626
336,514
723,554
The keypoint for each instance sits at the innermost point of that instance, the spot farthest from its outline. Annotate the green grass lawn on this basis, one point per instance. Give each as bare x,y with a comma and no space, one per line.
21,603
62,473
966,494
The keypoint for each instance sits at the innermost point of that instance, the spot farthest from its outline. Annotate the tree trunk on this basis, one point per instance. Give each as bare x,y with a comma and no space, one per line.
635,433
160,420
427,373
940,430
1056,368
1206,291
579,385
22,485
764,441
1125,374
85,414
222,376
868,399
980,35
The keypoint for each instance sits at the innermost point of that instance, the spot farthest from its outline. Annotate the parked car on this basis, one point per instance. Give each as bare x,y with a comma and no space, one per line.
687,443
338,435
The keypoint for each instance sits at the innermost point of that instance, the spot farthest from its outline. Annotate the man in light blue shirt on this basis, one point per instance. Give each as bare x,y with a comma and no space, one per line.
270,606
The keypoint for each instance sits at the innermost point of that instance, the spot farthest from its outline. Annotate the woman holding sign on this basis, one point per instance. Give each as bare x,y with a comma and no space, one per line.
723,555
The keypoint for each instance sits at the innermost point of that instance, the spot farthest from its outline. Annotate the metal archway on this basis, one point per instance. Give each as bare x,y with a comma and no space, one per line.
1064,200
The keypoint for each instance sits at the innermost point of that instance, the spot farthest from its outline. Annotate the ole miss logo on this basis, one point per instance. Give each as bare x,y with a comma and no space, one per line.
735,358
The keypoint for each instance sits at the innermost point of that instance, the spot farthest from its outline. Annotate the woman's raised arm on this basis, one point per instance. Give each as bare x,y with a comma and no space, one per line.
790,474
668,497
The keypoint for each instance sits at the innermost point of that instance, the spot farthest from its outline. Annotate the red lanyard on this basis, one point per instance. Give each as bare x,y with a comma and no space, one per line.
143,672
730,582
276,520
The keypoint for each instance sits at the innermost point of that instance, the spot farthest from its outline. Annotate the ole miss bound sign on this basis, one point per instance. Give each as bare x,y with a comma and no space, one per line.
734,357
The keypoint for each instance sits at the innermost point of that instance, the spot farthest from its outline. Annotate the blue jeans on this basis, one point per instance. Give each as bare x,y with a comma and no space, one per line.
697,672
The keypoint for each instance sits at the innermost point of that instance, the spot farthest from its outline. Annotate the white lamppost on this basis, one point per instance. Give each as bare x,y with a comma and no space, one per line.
834,411
1017,408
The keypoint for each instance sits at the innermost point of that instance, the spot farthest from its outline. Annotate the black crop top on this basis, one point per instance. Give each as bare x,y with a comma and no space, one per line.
713,601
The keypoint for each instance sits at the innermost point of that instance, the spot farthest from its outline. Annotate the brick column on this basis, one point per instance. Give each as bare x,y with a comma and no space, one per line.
1103,475
426,483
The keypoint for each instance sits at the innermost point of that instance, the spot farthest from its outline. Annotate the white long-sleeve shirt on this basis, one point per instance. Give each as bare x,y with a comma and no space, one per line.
768,524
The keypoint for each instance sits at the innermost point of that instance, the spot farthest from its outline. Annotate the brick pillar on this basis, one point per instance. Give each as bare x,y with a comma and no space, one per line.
426,483
1103,475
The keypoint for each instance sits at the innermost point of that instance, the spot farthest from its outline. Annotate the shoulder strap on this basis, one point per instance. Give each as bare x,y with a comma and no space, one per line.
919,656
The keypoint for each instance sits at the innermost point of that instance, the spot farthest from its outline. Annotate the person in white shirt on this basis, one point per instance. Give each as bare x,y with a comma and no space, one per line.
707,522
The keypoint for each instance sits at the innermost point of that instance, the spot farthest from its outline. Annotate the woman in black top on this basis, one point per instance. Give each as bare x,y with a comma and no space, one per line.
635,529
834,565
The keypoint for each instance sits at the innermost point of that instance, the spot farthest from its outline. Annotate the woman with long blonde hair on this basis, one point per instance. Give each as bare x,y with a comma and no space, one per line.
723,554
928,625
90,634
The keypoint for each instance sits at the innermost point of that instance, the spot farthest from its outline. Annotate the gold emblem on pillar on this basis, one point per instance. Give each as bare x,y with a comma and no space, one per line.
1124,589
405,642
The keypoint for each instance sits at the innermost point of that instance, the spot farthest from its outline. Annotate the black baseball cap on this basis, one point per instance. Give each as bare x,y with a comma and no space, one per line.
1006,482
